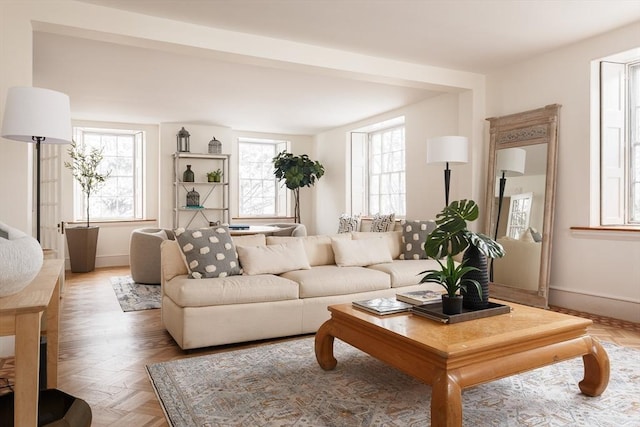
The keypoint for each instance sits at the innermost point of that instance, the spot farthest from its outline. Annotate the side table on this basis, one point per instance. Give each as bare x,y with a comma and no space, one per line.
21,315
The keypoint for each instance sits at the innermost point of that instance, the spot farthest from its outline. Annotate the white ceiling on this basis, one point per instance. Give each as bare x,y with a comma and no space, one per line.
124,83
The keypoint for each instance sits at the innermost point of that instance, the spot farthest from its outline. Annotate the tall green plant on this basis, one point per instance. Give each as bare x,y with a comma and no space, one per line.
451,235
297,172
84,167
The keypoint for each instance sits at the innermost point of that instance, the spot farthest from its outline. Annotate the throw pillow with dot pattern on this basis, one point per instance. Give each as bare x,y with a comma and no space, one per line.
208,252
414,233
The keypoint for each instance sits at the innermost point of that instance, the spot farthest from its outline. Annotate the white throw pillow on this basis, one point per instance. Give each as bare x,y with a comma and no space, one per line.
360,253
273,259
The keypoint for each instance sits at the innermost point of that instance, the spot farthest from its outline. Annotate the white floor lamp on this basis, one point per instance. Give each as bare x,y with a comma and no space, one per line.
450,150
40,116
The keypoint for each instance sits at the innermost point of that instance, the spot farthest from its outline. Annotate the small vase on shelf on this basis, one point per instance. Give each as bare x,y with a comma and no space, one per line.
188,175
193,198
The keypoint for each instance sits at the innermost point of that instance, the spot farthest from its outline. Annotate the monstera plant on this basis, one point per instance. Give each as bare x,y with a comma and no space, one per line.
451,237
297,172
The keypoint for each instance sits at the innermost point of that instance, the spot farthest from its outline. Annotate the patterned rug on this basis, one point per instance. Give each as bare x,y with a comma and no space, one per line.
134,296
282,385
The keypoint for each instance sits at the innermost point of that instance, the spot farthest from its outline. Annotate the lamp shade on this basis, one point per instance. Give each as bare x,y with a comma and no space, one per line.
36,112
511,161
451,149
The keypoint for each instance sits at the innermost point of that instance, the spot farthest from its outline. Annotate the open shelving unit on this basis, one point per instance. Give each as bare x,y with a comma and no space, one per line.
214,196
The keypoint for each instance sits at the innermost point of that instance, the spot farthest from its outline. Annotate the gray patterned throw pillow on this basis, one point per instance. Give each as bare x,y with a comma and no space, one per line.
348,223
209,252
414,233
382,223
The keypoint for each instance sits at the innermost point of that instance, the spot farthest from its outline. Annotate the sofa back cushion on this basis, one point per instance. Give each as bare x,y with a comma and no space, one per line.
249,240
317,248
360,253
273,259
393,239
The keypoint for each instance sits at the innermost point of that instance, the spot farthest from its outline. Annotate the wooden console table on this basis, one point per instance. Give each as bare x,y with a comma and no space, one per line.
21,315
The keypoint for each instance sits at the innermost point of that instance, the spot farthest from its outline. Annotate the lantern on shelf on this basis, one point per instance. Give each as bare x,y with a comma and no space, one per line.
183,140
193,199
215,146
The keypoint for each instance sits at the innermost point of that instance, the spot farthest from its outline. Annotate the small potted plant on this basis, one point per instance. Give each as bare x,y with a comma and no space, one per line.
82,241
451,237
214,176
451,277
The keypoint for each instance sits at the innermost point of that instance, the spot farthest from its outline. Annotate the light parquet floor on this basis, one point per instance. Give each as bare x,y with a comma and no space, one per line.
103,351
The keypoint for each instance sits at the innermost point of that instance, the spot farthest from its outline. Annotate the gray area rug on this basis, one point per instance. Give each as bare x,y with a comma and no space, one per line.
282,385
134,296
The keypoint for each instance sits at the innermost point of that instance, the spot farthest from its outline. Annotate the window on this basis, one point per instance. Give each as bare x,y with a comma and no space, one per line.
121,198
378,169
260,193
620,143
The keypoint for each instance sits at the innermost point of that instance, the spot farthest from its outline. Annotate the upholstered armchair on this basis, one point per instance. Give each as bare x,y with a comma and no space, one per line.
144,253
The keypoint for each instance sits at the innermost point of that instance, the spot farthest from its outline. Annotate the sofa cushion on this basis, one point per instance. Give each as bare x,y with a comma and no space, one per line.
208,252
317,248
328,280
171,260
392,238
229,290
249,240
414,234
273,259
382,223
406,272
360,253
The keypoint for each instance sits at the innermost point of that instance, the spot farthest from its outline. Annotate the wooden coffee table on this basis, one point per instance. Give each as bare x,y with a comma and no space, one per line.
461,355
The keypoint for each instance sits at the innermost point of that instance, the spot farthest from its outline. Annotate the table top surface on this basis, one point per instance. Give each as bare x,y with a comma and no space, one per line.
523,325
36,296
255,229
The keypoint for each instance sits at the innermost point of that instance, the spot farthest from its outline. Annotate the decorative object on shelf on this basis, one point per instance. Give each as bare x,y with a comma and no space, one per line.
297,172
215,146
451,237
193,198
43,116
214,176
183,141
83,241
447,149
188,175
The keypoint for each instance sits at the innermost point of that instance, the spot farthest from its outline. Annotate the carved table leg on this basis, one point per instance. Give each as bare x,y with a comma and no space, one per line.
446,401
324,347
596,370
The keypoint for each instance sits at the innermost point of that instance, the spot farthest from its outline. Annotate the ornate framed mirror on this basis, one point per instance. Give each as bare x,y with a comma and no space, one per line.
523,151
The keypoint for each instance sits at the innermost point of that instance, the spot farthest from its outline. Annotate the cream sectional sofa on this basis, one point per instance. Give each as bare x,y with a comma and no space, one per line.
321,270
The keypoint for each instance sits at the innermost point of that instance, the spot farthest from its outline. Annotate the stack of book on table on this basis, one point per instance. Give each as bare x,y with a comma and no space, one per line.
419,297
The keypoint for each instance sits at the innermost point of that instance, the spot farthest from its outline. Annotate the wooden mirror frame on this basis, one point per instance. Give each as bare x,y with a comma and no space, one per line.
538,126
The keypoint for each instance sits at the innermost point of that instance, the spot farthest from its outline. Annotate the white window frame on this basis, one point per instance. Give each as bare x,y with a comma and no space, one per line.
363,177
619,167
281,195
137,174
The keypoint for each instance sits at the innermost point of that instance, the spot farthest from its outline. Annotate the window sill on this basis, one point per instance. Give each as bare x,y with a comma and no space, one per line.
113,222
608,232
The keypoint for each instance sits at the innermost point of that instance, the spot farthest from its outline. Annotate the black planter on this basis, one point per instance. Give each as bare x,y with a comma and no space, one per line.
451,305
472,299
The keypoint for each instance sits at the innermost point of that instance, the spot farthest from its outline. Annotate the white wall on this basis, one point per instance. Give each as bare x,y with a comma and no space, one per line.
596,272
425,183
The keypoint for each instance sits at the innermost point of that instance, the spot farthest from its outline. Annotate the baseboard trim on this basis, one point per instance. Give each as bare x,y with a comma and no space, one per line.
596,304
106,261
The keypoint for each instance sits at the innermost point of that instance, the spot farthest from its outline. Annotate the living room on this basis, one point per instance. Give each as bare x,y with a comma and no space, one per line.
592,270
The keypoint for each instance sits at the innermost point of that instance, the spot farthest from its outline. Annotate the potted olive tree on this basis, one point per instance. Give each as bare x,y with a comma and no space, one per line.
82,241
297,172
451,237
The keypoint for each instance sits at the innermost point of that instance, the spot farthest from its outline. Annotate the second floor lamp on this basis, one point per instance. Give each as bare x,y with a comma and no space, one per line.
448,150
